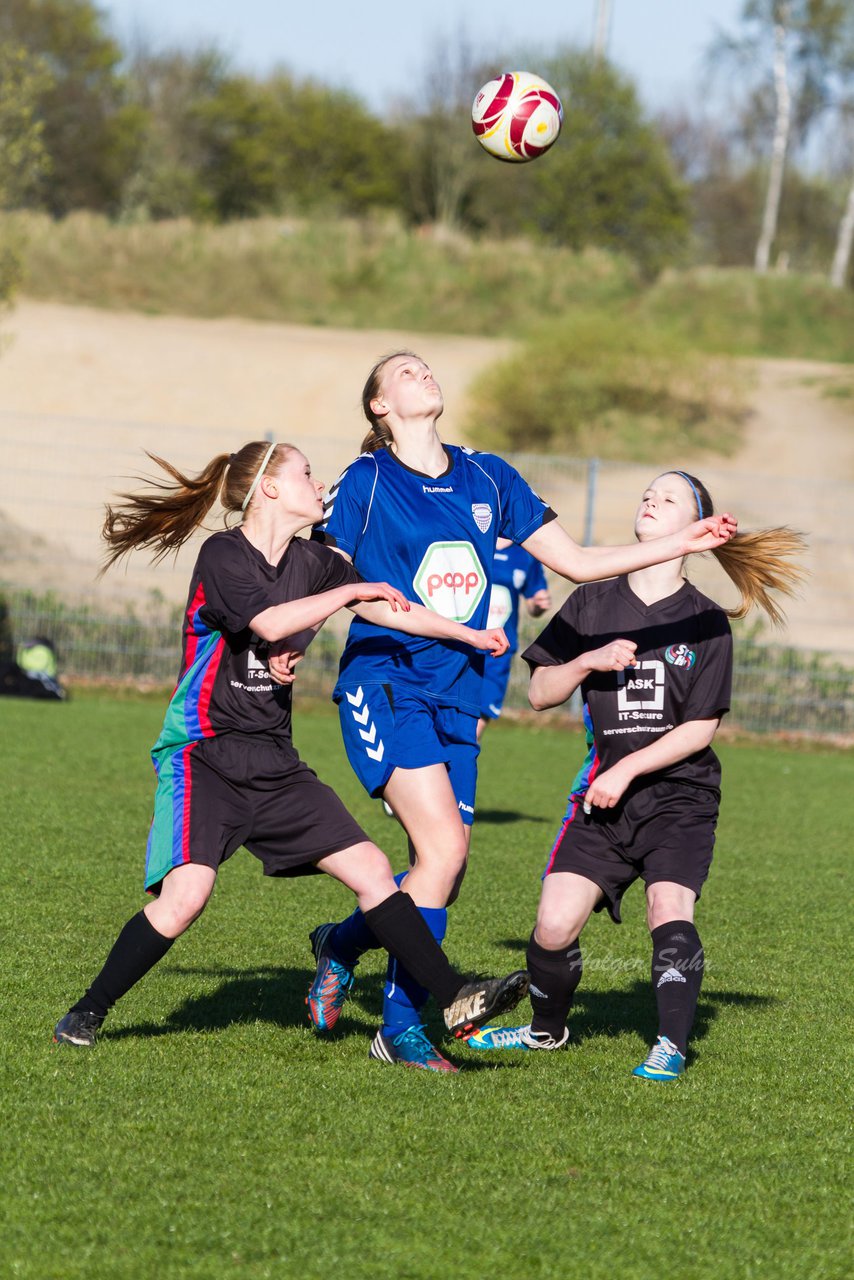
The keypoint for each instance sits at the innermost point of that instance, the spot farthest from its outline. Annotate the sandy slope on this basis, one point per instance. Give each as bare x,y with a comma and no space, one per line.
83,392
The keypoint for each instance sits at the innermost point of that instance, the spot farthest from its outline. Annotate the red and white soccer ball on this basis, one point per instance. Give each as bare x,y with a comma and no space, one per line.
517,116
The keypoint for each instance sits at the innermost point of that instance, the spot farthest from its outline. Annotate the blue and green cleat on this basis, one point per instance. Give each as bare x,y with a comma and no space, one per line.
409,1048
332,983
515,1038
664,1062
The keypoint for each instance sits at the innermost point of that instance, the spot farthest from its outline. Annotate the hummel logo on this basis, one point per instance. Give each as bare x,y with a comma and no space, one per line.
671,975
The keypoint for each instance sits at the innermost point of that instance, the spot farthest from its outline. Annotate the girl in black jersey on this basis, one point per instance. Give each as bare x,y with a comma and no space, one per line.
653,658
227,771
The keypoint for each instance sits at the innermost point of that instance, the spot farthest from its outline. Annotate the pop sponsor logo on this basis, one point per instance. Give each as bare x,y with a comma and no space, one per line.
500,606
450,580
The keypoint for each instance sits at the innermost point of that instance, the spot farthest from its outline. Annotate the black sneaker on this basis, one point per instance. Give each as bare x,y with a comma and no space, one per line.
77,1027
478,1002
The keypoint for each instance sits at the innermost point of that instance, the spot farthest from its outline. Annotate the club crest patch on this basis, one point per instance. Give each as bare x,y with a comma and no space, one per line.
482,513
679,655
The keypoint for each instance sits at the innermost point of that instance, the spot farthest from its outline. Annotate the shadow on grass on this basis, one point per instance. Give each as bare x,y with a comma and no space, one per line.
500,817
277,996
273,995
612,1013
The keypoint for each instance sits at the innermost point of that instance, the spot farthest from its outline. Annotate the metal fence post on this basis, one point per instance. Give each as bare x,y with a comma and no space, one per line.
590,502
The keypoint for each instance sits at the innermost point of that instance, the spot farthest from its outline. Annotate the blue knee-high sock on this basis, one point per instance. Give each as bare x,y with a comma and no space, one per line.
353,937
404,998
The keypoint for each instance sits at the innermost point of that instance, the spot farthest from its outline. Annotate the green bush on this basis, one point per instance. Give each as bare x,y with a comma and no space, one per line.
600,384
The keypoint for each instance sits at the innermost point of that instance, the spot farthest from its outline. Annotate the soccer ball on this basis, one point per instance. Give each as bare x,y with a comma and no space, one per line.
516,116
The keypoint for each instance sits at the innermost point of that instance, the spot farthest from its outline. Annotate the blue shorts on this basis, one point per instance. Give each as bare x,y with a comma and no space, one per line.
496,677
386,727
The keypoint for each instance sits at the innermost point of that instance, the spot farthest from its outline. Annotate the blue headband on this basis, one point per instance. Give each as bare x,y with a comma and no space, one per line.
693,490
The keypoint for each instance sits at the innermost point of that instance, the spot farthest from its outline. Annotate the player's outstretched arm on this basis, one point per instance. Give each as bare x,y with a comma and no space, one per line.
550,686
553,547
418,621
282,620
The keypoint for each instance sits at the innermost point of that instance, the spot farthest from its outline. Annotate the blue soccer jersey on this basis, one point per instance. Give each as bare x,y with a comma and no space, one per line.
516,574
434,539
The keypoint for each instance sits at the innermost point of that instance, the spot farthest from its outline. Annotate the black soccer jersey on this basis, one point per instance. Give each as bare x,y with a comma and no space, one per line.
225,684
683,671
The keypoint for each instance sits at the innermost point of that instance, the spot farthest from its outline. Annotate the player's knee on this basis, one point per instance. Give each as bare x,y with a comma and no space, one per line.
554,931
458,883
188,909
668,902
181,902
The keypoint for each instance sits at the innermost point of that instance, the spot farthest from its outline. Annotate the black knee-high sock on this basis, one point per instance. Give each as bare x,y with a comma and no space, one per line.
677,975
400,927
554,977
136,950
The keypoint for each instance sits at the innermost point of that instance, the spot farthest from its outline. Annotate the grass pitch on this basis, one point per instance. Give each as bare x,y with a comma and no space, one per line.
212,1134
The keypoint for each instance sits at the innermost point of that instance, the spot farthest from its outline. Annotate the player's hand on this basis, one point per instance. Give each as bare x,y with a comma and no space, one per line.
539,603
614,656
366,591
705,535
607,789
493,642
282,665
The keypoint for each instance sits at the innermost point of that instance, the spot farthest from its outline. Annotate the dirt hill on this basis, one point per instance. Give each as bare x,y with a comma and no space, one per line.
83,392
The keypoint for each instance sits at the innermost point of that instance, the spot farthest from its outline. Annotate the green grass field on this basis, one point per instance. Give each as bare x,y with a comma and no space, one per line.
211,1134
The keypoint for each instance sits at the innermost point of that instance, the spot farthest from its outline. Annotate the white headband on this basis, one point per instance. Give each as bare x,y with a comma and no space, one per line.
254,485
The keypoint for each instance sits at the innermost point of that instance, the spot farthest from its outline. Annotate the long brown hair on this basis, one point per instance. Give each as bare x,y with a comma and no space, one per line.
758,562
379,436
164,517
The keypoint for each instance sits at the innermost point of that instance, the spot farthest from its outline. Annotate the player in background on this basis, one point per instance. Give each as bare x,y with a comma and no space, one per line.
227,770
516,576
429,514
653,659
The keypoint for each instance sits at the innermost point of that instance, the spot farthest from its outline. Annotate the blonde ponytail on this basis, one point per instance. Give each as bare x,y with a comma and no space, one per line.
164,518
759,563
756,563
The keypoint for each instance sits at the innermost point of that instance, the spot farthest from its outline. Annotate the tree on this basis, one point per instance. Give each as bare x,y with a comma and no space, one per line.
23,158
844,119
609,180
90,132
793,43
168,87
845,237
445,165
782,121
727,187
22,154
331,150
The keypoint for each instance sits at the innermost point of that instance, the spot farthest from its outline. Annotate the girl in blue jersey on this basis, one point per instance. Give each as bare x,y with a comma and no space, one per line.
516,576
427,515
227,771
653,659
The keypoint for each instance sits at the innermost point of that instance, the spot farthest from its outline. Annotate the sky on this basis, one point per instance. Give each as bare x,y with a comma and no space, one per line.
379,48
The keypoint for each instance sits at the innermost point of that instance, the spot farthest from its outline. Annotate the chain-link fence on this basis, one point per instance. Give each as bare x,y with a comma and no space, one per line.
58,472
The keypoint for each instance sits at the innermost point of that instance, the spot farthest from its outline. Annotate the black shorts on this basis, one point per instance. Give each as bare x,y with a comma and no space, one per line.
218,794
664,831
